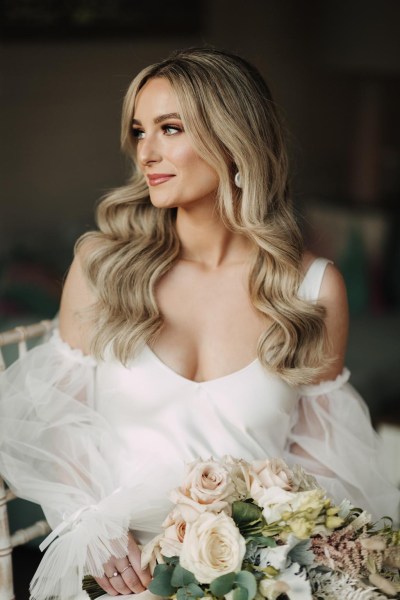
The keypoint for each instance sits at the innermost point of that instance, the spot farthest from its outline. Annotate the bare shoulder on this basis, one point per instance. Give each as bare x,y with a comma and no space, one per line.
307,259
333,293
77,297
333,297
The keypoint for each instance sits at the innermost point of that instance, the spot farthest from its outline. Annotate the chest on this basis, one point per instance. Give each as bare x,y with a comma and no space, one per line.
210,328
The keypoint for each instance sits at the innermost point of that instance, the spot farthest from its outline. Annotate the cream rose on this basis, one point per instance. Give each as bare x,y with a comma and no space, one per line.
212,546
207,482
265,474
174,532
190,509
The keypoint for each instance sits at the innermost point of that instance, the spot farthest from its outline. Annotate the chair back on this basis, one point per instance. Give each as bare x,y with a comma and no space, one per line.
16,339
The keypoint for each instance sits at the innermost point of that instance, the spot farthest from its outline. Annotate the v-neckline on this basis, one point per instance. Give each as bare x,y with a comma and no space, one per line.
192,381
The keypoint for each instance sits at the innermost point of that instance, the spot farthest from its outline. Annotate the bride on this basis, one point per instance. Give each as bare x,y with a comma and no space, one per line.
192,323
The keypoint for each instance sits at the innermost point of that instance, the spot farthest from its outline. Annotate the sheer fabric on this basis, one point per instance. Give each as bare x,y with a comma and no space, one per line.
57,451
332,437
100,445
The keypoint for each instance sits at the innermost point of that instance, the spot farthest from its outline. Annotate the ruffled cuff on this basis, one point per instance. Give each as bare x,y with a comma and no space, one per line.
87,539
74,354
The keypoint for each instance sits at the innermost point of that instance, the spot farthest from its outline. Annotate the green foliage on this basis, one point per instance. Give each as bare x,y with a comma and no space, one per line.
160,569
171,578
243,584
222,585
240,594
262,541
246,513
161,583
182,577
188,592
246,580
171,560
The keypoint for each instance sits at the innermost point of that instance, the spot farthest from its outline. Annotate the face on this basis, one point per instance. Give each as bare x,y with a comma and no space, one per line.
176,175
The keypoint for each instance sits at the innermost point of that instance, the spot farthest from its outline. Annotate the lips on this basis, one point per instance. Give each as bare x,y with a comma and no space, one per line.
158,178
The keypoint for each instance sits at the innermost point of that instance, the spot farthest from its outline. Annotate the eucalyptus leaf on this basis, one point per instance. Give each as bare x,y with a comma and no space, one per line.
189,592
161,568
240,593
222,585
161,585
182,577
245,579
195,590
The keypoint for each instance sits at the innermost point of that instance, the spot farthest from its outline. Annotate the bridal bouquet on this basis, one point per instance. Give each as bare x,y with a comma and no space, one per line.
242,530
262,530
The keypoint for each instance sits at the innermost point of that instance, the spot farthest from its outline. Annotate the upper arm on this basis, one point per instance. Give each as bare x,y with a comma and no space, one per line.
76,298
333,297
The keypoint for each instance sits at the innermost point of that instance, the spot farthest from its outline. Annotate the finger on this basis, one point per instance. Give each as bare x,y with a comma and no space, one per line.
119,584
129,576
134,556
132,580
105,584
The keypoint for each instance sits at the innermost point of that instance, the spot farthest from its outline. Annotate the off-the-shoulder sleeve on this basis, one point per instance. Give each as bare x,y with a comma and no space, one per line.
333,438
57,451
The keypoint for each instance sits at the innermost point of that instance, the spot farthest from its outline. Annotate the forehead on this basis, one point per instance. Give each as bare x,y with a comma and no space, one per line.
156,97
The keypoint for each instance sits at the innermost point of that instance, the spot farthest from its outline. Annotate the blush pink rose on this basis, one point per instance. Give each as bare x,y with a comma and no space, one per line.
174,532
207,482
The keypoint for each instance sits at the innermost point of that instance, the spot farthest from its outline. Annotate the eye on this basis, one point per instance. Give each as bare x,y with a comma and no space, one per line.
137,133
172,129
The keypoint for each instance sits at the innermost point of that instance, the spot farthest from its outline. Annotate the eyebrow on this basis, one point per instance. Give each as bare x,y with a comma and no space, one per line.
160,118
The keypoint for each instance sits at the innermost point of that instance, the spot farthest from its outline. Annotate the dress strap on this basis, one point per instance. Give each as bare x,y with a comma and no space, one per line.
311,284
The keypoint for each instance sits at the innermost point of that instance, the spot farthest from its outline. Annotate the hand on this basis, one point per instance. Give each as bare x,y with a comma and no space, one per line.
130,578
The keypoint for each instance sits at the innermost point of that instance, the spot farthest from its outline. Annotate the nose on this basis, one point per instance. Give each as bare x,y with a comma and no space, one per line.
148,151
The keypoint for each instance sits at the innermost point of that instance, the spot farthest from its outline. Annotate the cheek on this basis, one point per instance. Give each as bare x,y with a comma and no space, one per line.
186,158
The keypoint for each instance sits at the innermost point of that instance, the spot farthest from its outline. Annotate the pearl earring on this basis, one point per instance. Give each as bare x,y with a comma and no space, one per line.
238,180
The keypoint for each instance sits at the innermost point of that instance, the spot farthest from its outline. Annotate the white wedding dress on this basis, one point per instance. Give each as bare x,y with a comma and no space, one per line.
100,445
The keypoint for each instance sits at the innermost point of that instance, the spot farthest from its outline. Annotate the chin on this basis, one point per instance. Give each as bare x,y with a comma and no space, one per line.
163,203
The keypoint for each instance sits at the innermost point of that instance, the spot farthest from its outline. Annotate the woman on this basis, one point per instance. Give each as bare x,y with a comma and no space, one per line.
193,323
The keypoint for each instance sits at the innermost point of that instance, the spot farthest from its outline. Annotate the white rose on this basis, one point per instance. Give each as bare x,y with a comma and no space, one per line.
207,482
275,501
266,474
212,546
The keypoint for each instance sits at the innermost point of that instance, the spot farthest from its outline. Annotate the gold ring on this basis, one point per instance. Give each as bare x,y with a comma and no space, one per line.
126,568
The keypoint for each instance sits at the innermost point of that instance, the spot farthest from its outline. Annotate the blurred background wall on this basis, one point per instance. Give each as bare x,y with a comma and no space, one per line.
334,68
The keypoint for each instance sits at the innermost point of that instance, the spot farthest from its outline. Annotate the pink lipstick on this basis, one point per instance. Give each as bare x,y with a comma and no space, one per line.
158,178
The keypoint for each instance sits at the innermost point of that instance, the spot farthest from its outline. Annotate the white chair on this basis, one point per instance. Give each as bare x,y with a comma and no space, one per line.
18,338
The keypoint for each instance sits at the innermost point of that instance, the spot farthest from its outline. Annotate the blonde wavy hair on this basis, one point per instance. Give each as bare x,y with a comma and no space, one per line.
228,113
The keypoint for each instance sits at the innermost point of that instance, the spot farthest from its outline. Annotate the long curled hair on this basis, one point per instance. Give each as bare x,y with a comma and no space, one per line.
229,115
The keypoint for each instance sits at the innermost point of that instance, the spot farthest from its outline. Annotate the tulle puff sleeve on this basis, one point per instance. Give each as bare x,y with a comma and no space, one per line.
332,437
57,451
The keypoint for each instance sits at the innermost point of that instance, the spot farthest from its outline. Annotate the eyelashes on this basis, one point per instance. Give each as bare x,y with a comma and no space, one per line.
137,133
168,130
171,129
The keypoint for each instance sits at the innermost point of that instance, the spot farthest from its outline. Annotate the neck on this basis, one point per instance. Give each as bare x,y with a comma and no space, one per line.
206,240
